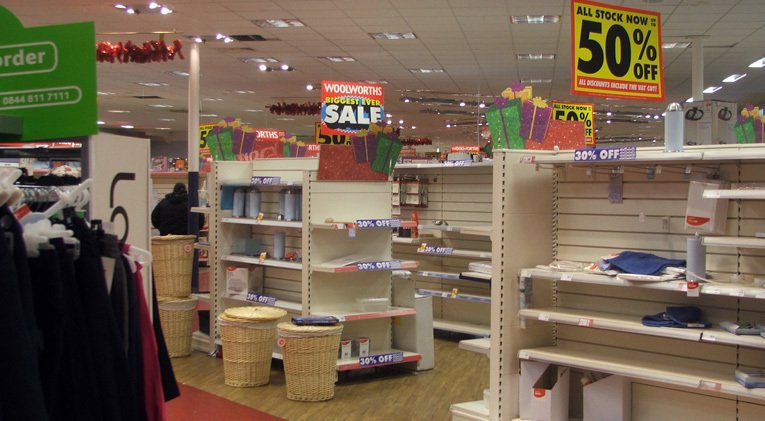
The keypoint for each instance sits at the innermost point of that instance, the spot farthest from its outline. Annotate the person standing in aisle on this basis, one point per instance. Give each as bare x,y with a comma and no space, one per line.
171,215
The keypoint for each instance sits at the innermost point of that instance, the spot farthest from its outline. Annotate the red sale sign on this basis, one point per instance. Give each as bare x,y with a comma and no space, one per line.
348,107
270,134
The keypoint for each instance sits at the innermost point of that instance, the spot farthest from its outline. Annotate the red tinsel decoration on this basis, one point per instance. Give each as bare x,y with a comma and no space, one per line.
148,52
306,108
416,141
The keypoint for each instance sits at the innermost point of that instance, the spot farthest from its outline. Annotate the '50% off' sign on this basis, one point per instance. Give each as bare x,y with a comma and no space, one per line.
616,51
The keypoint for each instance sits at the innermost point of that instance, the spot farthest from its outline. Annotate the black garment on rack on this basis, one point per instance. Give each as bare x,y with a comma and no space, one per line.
50,312
117,401
21,395
135,355
169,384
77,384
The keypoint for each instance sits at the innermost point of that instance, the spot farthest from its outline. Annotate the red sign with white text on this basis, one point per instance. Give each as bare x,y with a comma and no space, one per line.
270,134
348,107
471,149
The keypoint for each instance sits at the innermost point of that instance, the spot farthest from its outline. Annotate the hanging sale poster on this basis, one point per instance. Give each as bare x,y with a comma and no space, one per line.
348,107
616,52
574,111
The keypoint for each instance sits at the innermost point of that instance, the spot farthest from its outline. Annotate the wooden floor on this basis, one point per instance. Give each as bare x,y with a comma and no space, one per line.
381,394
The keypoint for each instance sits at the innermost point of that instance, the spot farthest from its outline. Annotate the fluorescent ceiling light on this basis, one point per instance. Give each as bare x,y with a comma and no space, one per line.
260,60
118,111
536,80
244,91
668,45
152,84
212,99
711,89
105,93
165,10
392,35
127,126
286,119
734,77
337,59
153,5
433,70
100,123
198,39
535,19
166,119
161,105
279,23
758,63
253,111
162,128
376,82
539,56
120,6
208,115
181,73
689,99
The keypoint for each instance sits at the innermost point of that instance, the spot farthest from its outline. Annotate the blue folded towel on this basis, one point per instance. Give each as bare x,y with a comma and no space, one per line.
641,263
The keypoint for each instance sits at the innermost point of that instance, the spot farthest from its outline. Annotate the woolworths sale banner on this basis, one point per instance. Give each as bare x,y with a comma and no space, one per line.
348,107
47,80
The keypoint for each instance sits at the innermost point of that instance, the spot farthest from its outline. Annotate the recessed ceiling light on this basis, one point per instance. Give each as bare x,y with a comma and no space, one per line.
433,70
401,122
393,35
758,63
407,100
667,45
118,111
390,122
337,59
100,122
414,127
462,103
127,126
481,105
535,19
197,39
285,67
120,6
711,89
278,23
309,87
734,77
166,119
263,67
388,115
535,56
244,91
153,84
208,115
536,80
165,10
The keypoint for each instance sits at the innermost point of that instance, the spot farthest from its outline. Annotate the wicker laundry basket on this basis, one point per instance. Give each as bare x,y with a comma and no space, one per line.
248,335
176,316
310,360
172,263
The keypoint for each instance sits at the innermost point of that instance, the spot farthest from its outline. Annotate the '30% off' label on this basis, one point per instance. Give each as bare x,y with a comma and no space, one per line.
616,51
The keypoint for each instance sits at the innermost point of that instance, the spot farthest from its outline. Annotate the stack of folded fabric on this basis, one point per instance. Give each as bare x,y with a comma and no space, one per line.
682,317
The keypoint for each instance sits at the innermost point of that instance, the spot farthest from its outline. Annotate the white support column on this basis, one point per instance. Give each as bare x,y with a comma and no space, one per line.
697,67
193,106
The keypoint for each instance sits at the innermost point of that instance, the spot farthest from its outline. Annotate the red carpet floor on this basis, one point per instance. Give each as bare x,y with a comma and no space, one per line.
198,405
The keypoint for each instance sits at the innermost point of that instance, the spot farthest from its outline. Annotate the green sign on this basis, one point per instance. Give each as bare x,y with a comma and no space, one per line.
47,80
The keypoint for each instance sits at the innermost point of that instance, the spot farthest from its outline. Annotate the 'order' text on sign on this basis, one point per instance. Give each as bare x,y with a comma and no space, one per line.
348,107
577,112
616,51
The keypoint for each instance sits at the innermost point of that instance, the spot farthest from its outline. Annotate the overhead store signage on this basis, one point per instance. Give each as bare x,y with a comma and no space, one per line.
348,107
605,154
574,111
47,80
616,52
462,148
270,134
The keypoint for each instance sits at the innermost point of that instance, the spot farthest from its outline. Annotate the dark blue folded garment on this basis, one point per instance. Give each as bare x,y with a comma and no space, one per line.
686,317
642,263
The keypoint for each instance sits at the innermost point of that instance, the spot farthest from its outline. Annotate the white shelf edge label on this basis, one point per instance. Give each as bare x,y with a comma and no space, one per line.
760,295
378,223
389,358
257,298
585,322
523,355
709,385
545,317
605,154
566,276
258,180
366,266
737,293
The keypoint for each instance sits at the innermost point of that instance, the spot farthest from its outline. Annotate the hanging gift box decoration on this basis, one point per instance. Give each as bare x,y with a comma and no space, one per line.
504,123
388,150
364,146
220,142
535,118
565,134
517,91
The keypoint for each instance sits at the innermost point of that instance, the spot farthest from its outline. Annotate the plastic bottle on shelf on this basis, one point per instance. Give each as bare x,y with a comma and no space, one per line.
252,205
238,208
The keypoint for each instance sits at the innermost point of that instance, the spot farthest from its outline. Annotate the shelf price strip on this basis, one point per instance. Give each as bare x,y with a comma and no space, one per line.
605,154
378,223
424,248
381,359
616,51
265,181
367,266
256,298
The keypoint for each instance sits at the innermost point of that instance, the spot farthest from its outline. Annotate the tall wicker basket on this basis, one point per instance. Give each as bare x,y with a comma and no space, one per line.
176,316
248,335
310,360
172,262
